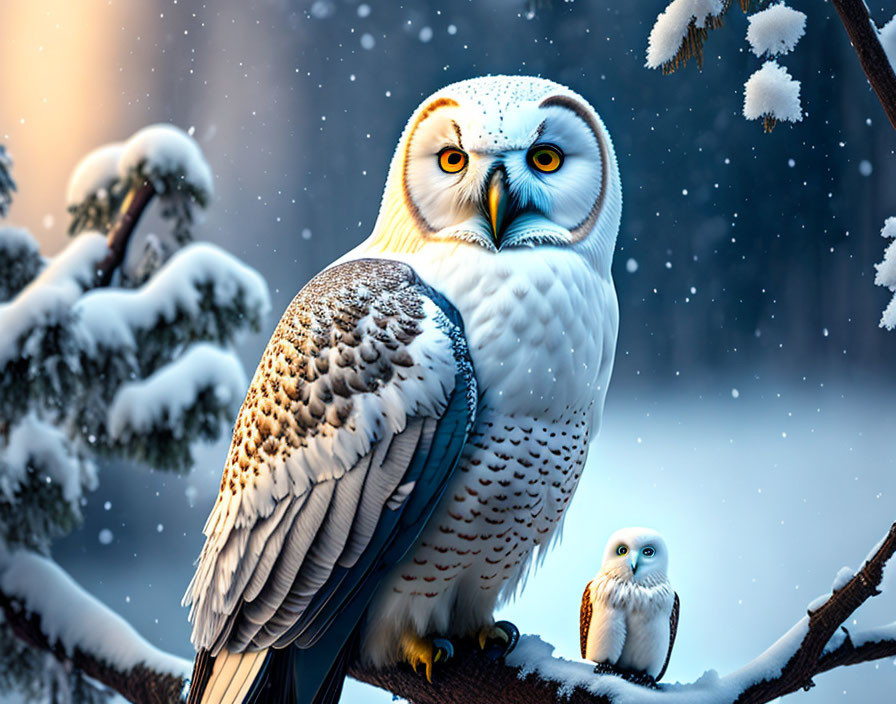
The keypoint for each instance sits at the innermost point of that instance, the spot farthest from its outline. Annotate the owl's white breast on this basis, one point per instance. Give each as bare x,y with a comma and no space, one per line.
540,323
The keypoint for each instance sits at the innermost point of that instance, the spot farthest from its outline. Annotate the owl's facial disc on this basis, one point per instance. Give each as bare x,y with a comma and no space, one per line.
530,174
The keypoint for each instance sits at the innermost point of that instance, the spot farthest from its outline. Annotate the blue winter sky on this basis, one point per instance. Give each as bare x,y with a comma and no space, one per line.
750,417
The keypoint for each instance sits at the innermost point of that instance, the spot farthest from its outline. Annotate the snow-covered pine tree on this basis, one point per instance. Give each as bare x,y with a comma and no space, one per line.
117,348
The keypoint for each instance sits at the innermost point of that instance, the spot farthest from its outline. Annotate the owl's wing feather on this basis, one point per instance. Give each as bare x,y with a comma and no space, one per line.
585,613
348,435
673,631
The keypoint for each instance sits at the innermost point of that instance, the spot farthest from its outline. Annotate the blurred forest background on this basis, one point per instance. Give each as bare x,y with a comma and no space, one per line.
749,355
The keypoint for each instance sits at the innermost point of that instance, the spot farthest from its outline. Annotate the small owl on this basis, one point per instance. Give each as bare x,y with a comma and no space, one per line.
629,612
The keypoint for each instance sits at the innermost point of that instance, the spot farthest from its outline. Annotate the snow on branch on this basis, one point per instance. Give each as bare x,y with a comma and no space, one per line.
886,273
770,94
202,293
680,31
48,610
816,644
51,612
887,36
93,197
33,324
42,480
775,30
20,261
163,157
7,185
157,420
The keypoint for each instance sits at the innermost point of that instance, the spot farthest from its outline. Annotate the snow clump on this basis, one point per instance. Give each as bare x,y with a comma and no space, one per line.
886,272
775,30
672,24
771,93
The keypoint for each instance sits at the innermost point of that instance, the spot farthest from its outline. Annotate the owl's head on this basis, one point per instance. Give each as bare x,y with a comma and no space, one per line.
636,554
499,163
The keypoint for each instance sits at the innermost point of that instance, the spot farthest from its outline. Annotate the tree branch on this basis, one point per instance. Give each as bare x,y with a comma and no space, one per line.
135,202
817,644
139,684
865,40
49,611
531,673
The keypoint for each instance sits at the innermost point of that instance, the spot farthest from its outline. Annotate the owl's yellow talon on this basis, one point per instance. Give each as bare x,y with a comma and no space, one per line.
418,651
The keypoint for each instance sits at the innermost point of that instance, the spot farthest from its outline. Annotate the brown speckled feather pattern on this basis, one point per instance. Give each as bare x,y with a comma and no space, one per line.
585,618
673,631
282,410
344,369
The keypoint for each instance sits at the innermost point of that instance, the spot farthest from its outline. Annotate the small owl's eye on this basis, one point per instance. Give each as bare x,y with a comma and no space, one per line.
452,160
648,551
545,158
621,550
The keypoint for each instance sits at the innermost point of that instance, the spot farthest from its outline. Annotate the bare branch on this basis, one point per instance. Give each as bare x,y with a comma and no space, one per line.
865,40
135,202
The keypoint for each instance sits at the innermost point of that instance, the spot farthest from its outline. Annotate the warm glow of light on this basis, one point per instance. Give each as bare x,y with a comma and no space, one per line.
60,95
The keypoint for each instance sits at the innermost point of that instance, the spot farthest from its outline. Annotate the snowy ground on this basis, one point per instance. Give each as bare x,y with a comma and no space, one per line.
762,498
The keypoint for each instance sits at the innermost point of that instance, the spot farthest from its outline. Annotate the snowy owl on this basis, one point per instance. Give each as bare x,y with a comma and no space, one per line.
420,418
629,612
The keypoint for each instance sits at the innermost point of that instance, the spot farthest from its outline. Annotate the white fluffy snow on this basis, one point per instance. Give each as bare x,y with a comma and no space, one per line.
886,272
671,27
15,242
33,443
71,617
775,30
844,574
887,36
96,172
167,149
48,299
110,317
771,92
533,655
166,396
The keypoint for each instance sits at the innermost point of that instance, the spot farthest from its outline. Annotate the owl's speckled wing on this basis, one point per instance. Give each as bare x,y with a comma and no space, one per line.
585,613
673,631
349,432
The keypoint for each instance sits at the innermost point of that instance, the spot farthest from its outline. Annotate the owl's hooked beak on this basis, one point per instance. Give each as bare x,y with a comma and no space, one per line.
498,205
634,562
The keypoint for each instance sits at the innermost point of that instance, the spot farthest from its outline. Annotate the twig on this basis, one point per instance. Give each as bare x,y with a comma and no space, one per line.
865,40
135,202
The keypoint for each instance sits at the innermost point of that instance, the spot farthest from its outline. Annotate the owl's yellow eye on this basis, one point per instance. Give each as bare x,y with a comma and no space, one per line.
545,158
452,160
621,550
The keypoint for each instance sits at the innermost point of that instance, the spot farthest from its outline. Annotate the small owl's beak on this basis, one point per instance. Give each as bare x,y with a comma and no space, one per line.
634,562
496,204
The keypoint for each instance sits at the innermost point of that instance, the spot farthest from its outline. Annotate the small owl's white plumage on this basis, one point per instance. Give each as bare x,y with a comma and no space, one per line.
629,611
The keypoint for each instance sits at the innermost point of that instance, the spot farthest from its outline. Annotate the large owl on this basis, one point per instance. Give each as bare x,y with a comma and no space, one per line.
420,418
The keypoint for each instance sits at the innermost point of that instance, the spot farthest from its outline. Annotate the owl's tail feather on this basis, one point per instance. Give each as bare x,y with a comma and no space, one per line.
228,678
273,676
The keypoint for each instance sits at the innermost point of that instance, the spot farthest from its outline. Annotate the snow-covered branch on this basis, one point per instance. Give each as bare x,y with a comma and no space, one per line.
866,41
20,261
157,420
7,185
48,610
45,608
531,673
